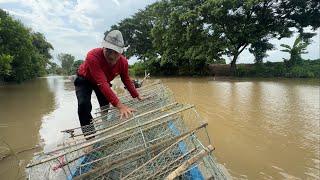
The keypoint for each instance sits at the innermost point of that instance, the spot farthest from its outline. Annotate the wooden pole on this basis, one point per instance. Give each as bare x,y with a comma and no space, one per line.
152,148
176,173
106,137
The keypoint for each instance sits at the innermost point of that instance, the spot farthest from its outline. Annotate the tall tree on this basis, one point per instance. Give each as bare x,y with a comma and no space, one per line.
243,23
66,62
17,41
171,35
43,47
182,37
259,50
136,32
167,37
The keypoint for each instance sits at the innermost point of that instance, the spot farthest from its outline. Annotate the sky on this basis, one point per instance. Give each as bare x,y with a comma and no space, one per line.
76,26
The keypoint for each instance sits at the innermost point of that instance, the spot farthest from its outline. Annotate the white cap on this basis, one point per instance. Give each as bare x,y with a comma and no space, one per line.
114,40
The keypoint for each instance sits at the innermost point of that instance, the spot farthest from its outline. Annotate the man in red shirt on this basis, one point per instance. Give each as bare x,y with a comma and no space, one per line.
100,67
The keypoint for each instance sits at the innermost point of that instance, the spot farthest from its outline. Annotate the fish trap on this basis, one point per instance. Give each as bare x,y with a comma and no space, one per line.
163,139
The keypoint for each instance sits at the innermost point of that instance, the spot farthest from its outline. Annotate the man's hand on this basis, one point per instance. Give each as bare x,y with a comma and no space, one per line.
140,98
125,110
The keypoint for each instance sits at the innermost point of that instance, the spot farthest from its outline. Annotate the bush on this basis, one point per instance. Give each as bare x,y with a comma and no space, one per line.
137,69
306,69
5,65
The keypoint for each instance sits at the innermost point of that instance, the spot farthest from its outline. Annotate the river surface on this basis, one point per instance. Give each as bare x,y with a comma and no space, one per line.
261,128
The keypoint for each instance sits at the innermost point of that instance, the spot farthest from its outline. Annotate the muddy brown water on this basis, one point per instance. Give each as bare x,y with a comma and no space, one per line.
261,128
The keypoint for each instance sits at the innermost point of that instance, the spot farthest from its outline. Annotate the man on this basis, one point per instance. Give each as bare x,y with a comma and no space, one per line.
100,67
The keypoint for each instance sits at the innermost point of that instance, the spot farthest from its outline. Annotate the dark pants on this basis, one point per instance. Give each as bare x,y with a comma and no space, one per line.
83,91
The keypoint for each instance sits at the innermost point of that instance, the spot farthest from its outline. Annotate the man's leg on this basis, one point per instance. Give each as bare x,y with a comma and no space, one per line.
83,91
103,102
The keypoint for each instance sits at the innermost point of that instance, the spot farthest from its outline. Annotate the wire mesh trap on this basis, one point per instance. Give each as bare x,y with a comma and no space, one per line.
160,141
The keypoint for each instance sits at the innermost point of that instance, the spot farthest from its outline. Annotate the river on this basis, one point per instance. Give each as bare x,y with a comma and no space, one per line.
261,128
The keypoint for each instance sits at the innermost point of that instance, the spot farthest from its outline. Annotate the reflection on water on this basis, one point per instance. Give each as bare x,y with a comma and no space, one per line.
63,116
261,129
21,109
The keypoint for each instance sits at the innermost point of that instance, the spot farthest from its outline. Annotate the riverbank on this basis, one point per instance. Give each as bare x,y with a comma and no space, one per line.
306,69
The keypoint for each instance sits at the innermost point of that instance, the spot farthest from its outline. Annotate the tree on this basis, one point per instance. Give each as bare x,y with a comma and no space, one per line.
298,48
66,62
299,13
43,47
181,40
167,38
75,66
54,68
259,50
136,32
240,24
19,42
177,36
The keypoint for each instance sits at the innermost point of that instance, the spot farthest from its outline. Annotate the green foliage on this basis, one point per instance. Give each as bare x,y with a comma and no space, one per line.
300,13
30,51
259,50
299,72
75,66
307,69
166,37
54,68
239,24
67,61
181,37
5,65
137,69
43,47
299,47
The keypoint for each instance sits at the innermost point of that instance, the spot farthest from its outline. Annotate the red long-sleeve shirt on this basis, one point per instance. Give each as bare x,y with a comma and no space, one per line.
97,70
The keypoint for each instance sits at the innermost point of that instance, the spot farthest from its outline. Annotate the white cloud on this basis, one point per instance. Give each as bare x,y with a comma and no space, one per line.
76,26
117,2
72,26
18,13
8,1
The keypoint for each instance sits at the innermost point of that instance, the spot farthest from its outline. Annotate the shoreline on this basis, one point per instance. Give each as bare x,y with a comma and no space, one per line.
211,77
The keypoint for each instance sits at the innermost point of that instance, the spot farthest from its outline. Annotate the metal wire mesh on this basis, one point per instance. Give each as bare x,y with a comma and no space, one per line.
154,97
151,144
169,159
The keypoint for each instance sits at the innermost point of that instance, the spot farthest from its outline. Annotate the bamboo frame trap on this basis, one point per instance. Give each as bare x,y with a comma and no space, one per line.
160,141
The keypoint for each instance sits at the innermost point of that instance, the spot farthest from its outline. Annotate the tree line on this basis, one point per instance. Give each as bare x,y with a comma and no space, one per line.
69,65
182,37
25,54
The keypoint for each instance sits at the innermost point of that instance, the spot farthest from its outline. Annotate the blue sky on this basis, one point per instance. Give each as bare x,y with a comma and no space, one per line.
76,26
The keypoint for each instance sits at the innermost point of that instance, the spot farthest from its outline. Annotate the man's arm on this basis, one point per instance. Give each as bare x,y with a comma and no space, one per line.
101,80
127,81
